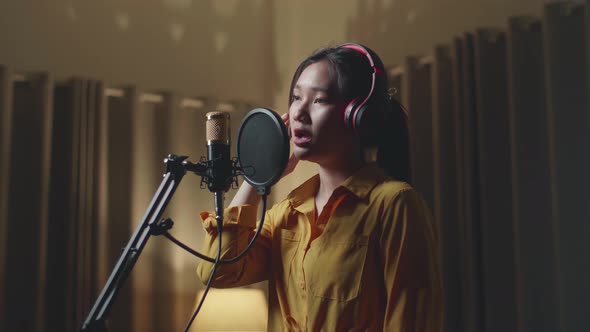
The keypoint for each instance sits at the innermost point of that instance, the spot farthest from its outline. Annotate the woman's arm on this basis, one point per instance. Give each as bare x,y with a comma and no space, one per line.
238,228
246,195
410,267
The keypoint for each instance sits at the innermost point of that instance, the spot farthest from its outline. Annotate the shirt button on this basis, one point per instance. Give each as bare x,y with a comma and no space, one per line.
302,284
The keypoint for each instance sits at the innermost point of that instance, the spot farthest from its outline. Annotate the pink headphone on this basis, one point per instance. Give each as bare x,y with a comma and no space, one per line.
361,109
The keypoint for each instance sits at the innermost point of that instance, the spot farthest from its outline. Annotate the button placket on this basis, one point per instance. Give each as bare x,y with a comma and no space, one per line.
302,277
305,244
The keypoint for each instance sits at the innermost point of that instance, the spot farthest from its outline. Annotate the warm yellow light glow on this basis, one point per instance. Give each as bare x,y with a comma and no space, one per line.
238,309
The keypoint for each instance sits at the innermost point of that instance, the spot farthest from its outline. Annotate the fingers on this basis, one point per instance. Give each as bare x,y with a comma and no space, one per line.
285,118
293,161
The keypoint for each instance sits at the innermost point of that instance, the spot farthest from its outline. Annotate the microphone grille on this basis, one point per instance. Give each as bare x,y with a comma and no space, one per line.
217,127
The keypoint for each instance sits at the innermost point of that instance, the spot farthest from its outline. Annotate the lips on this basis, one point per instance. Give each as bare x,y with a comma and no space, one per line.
301,137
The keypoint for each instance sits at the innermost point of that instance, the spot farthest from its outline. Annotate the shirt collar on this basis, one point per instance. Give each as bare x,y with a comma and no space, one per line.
364,180
359,184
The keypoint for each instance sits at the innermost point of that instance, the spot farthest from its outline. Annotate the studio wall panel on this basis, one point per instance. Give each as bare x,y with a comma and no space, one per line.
495,181
6,92
445,185
152,278
566,63
72,248
417,97
467,180
535,253
61,248
119,194
28,203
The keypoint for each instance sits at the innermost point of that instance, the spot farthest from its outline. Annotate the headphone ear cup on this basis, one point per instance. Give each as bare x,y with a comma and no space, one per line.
350,111
368,122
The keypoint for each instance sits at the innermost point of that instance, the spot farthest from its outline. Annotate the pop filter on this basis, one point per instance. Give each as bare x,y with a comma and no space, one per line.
263,148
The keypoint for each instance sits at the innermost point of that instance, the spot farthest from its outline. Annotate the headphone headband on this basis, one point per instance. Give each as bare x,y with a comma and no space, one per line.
361,49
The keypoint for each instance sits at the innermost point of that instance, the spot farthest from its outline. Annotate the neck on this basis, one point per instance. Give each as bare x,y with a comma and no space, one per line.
333,175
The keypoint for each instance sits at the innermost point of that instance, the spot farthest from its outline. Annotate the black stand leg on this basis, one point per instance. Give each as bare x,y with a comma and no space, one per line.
175,170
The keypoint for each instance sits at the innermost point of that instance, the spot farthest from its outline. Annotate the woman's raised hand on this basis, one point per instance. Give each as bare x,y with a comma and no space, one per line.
292,159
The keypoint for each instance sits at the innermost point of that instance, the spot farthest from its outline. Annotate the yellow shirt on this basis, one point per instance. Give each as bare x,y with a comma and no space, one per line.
367,263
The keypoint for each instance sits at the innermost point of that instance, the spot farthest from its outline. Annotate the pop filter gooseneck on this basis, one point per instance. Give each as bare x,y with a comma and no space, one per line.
263,148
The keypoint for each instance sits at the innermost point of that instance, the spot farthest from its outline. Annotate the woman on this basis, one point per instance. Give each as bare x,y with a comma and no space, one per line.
352,248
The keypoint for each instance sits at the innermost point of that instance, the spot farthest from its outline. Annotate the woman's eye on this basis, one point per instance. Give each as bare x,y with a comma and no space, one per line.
320,100
295,97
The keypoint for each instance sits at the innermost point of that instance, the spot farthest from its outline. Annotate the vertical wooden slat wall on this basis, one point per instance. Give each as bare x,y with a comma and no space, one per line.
531,191
417,97
27,204
495,181
59,248
72,297
88,239
119,180
464,76
102,223
44,95
71,248
445,184
79,234
152,279
85,200
458,138
94,284
6,92
163,281
569,139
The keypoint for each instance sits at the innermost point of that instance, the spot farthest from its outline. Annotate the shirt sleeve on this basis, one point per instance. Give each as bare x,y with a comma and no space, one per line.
239,226
410,266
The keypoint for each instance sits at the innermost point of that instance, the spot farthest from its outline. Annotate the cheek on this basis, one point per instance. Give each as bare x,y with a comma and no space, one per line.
333,131
336,121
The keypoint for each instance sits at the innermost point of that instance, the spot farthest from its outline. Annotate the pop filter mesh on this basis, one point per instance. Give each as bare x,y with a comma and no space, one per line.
263,147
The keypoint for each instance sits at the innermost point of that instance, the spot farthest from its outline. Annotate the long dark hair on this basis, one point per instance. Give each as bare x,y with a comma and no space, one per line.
351,71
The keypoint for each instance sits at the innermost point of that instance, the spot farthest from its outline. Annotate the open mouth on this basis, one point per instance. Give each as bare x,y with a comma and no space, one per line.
301,137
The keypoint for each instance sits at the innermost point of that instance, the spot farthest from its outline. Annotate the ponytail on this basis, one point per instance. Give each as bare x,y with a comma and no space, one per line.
393,147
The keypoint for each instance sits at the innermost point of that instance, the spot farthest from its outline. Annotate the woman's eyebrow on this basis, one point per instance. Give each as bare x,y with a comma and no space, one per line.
313,87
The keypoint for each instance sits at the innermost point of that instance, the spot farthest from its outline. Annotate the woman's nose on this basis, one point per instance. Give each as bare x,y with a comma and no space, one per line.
299,111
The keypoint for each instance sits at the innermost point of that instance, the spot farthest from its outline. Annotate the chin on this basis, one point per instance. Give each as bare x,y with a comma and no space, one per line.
302,153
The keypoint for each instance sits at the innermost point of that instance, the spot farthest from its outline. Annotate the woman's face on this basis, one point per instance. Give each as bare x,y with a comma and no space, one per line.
316,118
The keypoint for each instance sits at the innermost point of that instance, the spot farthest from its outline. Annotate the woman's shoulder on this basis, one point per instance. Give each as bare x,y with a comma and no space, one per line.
391,188
396,194
281,206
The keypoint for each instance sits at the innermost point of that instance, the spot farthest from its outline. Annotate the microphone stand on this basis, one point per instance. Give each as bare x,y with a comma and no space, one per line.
176,168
